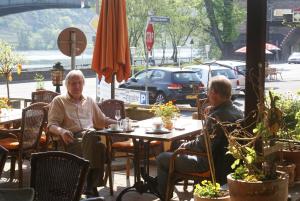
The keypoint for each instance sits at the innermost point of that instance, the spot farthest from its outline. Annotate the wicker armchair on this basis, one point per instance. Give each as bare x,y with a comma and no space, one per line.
22,142
43,96
57,175
3,157
175,176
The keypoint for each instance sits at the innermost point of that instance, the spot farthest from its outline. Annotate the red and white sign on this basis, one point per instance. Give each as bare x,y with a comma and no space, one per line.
149,37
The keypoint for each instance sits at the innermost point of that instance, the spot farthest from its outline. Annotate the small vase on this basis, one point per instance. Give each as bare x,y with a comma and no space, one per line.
167,122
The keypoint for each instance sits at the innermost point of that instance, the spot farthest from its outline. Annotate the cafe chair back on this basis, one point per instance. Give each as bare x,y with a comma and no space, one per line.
43,96
57,175
23,141
3,157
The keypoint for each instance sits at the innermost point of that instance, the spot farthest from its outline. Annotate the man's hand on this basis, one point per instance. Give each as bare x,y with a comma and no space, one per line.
67,137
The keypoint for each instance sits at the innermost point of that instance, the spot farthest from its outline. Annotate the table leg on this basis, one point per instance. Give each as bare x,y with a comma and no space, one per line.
139,185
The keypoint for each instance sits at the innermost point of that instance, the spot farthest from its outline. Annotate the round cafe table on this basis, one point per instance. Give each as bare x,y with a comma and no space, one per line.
16,194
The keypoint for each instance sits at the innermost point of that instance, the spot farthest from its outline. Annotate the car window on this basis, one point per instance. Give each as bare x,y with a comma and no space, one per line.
185,77
158,75
225,72
142,75
241,69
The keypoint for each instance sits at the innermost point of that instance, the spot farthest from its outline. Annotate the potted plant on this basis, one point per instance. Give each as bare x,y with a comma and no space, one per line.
289,104
8,62
39,78
166,112
207,191
255,176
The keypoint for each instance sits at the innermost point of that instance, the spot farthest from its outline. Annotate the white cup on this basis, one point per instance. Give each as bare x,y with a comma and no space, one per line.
157,125
113,127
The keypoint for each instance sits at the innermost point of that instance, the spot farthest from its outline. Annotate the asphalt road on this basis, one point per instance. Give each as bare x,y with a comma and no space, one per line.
290,83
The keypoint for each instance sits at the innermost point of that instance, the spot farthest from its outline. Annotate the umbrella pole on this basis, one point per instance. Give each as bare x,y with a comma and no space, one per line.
112,88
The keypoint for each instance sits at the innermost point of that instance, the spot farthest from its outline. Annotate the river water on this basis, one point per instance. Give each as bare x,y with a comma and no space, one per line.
47,58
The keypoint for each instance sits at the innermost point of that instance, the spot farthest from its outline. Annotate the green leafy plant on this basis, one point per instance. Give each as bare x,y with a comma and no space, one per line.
208,190
251,165
39,78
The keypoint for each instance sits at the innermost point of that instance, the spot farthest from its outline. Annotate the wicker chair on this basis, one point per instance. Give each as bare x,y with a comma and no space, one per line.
22,142
120,145
3,157
57,175
43,96
176,176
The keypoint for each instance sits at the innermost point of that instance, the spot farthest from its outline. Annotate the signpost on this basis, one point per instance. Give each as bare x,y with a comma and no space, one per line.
159,19
71,42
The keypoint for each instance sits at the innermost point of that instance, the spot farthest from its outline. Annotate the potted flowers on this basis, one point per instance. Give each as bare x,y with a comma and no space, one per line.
207,191
166,112
255,176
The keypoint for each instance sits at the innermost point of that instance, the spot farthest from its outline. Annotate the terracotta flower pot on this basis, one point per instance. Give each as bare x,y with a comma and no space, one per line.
271,190
225,198
293,156
290,170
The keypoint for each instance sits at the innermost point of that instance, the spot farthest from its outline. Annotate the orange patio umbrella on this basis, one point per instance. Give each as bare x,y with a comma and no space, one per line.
111,55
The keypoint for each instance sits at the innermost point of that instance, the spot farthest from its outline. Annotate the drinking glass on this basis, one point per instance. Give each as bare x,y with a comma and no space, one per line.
118,117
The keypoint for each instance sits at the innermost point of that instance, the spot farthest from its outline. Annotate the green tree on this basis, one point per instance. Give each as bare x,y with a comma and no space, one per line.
225,16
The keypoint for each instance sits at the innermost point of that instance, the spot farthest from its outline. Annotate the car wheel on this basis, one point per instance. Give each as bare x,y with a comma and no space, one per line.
160,98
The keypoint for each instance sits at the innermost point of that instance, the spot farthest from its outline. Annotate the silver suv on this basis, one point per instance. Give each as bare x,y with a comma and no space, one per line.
239,68
206,72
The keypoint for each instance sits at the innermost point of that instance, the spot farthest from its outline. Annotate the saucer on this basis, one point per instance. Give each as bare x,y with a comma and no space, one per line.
114,130
158,131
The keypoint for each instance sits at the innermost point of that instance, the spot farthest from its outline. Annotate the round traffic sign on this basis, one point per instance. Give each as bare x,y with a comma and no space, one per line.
66,38
149,36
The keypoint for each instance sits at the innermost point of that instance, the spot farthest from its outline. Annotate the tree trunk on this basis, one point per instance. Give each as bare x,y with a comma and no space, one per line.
7,87
227,50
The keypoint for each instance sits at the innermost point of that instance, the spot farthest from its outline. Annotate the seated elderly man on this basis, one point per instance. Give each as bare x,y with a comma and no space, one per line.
74,118
220,108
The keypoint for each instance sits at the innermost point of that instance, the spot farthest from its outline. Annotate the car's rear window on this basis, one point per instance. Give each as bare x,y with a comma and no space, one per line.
241,69
185,77
225,72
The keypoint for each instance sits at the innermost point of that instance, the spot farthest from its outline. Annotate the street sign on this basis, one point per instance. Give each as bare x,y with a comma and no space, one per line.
149,37
159,19
65,41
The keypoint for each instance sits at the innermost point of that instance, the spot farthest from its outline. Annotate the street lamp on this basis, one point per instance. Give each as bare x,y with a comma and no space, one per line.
178,56
57,75
132,51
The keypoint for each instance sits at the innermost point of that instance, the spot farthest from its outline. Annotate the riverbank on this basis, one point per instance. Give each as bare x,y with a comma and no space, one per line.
27,75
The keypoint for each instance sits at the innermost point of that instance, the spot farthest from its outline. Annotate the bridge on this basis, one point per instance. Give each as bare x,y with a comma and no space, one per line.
16,6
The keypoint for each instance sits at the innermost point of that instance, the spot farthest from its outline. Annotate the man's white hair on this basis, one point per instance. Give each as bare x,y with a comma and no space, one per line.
72,74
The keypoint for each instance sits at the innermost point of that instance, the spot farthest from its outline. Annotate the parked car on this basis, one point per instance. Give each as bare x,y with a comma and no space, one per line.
206,72
239,68
294,58
168,83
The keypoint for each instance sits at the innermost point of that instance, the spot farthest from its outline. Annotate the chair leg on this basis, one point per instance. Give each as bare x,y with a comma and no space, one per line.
20,170
12,168
185,185
127,168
